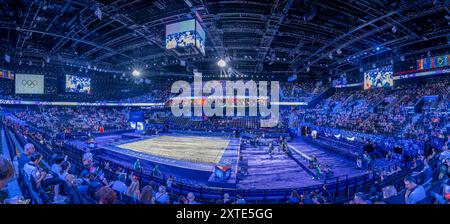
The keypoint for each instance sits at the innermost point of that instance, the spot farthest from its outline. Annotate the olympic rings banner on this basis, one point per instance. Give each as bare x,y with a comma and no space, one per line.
29,84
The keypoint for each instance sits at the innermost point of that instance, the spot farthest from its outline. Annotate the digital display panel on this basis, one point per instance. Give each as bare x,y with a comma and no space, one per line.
77,84
185,34
381,77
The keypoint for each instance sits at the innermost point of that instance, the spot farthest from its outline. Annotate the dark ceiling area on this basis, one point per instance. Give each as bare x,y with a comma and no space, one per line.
314,38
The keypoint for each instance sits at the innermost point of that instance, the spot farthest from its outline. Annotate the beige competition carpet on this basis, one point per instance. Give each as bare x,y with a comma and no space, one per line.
187,148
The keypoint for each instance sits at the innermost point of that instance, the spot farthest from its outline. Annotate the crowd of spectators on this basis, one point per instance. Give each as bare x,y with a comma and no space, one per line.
74,119
357,110
300,90
60,181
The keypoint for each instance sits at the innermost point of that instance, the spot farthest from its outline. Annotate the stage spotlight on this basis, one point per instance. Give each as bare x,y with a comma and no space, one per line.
221,63
136,73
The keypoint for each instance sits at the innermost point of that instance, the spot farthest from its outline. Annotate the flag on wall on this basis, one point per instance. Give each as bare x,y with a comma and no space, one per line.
7,74
433,62
441,61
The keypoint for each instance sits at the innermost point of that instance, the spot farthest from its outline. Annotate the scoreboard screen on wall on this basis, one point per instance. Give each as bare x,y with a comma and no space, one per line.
76,84
381,77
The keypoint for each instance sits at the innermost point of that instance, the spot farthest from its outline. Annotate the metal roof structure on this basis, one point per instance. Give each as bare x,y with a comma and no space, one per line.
315,38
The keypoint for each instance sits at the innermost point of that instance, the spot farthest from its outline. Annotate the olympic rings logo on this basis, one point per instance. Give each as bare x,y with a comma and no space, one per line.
29,83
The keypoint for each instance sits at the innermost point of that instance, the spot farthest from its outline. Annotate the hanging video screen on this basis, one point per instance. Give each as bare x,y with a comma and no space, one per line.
381,77
185,34
77,84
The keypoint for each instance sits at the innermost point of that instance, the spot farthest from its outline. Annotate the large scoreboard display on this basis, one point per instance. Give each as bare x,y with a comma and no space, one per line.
78,84
381,77
185,34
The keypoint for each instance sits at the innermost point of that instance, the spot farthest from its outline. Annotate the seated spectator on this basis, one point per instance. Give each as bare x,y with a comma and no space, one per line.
225,200
445,169
146,196
119,185
106,195
391,196
28,149
191,198
240,200
57,161
444,197
293,198
64,172
6,171
359,199
427,171
182,200
39,177
161,196
414,192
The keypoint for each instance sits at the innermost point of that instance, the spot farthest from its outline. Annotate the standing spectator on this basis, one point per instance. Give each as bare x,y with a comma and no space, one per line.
133,189
156,172
325,193
367,161
169,183
88,158
137,166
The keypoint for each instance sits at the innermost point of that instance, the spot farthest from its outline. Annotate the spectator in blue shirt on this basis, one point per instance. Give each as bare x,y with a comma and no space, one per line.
191,198
294,198
427,171
414,192
161,196
28,149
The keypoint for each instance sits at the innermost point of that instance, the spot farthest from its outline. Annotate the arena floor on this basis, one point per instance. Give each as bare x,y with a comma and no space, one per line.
186,148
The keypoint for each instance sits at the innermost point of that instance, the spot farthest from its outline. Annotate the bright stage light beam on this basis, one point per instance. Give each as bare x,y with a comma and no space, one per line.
136,73
221,63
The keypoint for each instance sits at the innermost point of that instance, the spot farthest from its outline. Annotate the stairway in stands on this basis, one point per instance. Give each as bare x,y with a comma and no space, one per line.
265,172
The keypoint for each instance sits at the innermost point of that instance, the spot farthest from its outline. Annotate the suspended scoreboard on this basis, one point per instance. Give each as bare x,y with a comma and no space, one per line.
186,38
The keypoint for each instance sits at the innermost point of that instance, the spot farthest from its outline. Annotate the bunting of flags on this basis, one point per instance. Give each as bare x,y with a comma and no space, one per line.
6,74
433,62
